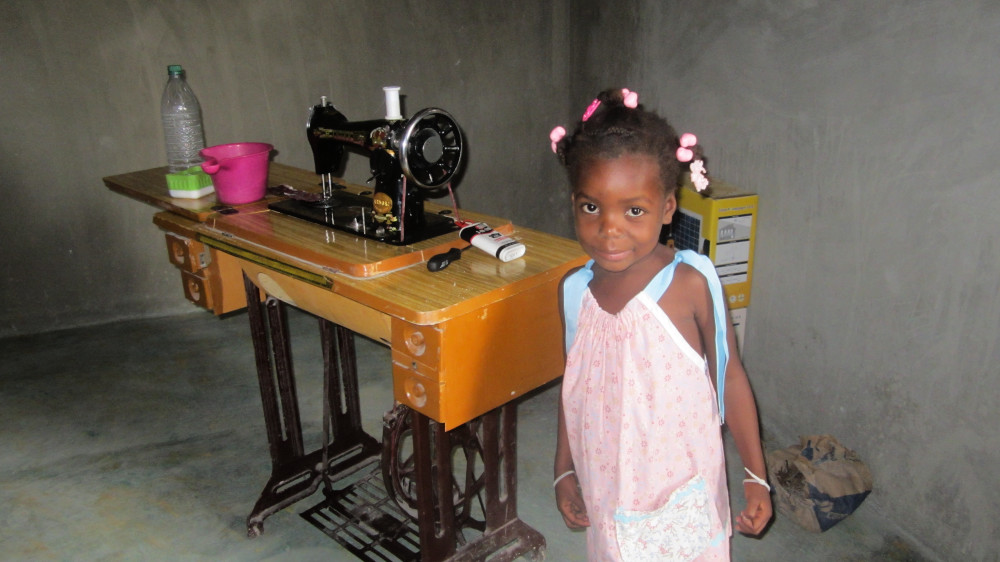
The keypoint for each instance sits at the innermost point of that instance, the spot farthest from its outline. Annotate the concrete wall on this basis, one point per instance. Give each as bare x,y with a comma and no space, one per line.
867,131
870,132
81,90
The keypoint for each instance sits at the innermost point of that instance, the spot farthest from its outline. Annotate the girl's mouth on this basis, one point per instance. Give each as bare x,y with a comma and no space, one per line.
612,255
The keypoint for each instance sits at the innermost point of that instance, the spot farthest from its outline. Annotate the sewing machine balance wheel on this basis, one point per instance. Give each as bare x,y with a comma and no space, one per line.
431,148
462,446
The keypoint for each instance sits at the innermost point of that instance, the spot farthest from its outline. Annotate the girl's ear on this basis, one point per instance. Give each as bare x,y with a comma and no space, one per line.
670,208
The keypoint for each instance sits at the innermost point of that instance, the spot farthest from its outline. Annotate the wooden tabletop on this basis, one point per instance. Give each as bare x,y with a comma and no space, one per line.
393,279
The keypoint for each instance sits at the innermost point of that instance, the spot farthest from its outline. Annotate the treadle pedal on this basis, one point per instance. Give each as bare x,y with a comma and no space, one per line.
365,521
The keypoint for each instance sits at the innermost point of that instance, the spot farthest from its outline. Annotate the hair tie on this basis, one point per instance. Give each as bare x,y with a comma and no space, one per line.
555,136
699,176
630,98
684,152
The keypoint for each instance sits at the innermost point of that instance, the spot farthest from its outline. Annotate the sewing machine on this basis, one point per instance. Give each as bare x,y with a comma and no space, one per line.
409,159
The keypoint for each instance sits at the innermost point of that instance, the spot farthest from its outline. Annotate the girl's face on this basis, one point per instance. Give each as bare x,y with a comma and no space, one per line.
619,207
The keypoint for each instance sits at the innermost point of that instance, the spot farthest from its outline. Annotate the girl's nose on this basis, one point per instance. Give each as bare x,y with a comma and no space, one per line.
610,226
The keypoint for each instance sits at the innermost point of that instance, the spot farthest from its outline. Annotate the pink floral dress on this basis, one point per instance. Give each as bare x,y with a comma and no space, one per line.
643,422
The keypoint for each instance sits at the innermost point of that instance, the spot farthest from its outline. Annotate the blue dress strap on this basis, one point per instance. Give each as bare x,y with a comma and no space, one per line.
573,288
658,285
576,284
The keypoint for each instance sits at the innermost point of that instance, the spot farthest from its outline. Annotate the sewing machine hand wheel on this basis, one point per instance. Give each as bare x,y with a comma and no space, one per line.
467,481
430,149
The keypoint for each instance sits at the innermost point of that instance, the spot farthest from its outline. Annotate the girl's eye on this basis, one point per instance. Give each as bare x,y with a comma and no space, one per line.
635,212
588,208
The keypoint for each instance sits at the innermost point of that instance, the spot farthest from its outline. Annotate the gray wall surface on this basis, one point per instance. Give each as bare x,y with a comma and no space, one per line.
866,129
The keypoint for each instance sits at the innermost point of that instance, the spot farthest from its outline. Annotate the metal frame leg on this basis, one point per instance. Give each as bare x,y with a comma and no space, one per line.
296,474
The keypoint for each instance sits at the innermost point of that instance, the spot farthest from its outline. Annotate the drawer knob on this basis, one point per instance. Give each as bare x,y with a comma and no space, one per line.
415,393
415,342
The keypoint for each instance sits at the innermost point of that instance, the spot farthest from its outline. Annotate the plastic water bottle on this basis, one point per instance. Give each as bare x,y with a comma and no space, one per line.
181,122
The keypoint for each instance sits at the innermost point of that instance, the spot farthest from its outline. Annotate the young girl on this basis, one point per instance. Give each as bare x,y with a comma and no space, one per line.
649,377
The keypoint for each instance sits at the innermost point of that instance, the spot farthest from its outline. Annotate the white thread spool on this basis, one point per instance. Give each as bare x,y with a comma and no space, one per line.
392,103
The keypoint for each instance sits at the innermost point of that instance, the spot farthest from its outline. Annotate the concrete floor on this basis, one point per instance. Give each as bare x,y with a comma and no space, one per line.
144,440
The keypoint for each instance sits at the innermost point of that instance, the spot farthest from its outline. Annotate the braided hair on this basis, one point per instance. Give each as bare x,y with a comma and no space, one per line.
611,129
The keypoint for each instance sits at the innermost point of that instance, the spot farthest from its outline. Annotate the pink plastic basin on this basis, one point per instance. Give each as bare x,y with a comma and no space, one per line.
238,170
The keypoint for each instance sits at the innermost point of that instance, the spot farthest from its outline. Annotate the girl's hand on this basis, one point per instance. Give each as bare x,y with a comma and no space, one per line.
758,512
570,503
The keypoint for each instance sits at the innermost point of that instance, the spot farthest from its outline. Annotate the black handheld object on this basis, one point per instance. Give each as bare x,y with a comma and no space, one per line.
441,261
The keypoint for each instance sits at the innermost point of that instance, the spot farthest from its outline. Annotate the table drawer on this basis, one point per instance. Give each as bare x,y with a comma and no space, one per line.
320,301
461,368
197,289
187,254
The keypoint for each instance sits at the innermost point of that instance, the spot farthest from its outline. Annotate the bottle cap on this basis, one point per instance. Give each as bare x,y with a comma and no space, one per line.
175,69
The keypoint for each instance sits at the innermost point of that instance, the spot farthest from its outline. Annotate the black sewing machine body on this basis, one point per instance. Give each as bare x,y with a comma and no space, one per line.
409,158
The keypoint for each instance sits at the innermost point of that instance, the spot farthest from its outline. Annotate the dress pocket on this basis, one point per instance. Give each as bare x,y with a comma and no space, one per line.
682,529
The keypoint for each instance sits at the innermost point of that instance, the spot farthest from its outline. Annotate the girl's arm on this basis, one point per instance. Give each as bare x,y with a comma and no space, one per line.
743,424
741,414
569,499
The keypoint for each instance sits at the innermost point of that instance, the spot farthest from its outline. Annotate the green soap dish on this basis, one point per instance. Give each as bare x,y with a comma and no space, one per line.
190,184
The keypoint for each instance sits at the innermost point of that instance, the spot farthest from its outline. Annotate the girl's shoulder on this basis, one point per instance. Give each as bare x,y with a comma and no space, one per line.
576,279
695,271
690,284
578,271
690,278
571,290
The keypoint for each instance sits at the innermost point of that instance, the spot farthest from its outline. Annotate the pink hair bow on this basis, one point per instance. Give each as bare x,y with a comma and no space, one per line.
555,136
699,177
630,100
684,152
591,109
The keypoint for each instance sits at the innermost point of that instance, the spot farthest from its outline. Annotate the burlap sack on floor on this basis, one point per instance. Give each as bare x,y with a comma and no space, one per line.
818,482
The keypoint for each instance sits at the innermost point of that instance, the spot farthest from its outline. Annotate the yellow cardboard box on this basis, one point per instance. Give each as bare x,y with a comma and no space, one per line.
721,225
